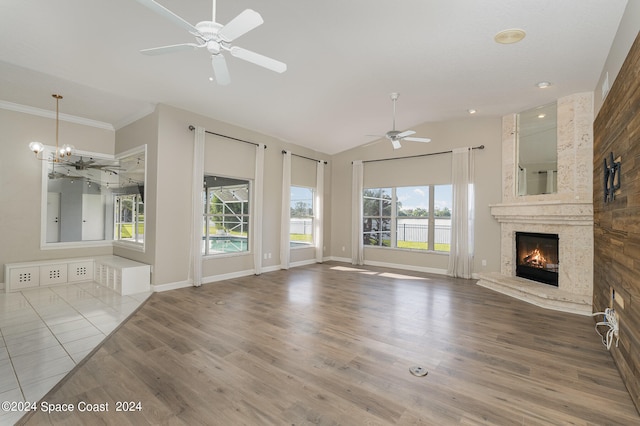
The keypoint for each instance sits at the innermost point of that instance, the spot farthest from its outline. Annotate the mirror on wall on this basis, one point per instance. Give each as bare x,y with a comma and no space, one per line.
537,166
94,199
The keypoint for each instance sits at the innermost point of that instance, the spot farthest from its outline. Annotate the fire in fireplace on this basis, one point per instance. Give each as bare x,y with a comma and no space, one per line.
537,257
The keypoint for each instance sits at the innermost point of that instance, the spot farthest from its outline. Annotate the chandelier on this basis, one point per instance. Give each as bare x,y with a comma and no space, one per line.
61,151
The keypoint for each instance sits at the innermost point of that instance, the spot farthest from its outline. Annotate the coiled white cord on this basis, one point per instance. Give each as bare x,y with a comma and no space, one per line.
610,320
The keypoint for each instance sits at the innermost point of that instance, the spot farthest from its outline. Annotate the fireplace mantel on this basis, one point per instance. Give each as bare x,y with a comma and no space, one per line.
544,212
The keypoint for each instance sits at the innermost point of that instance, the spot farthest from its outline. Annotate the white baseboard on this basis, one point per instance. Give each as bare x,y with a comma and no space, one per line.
393,265
407,267
211,279
339,259
239,274
171,286
302,263
231,275
271,268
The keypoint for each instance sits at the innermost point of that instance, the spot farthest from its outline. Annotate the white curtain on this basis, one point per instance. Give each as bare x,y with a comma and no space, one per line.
319,207
357,183
286,210
522,180
258,192
551,187
463,212
197,206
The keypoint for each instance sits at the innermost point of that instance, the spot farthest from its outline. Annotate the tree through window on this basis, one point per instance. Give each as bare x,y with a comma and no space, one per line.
409,217
301,217
226,215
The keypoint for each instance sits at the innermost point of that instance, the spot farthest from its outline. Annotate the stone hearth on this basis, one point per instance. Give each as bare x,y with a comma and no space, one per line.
568,213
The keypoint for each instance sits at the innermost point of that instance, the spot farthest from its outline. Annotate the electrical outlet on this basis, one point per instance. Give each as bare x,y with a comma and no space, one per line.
484,262
616,299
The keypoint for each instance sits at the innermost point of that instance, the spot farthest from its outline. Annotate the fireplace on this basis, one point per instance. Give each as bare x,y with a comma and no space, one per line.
537,257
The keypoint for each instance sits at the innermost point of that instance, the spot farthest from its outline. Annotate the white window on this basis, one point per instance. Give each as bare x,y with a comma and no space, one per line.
226,216
409,217
302,217
128,218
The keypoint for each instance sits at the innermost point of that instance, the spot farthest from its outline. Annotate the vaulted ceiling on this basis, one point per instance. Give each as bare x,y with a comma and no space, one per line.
343,60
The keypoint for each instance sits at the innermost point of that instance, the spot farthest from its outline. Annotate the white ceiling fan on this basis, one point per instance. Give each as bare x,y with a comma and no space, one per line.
395,136
216,38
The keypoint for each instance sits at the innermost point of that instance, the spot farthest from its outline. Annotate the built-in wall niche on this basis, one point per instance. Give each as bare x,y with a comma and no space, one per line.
94,199
537,152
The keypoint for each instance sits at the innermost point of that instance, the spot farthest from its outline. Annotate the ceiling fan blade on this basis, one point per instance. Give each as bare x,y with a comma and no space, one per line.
163,11
417,139
396,144
405,134
241,24
220,69
169,49
258,59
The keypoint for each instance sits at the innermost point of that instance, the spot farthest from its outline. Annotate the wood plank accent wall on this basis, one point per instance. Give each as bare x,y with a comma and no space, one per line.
617,223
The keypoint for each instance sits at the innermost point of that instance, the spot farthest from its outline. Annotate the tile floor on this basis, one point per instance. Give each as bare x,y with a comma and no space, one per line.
45,332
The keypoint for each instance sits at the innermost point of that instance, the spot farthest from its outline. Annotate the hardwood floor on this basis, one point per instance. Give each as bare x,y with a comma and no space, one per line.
331,344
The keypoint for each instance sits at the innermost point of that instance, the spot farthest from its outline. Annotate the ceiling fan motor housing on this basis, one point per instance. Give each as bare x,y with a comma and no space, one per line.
393,134
209,34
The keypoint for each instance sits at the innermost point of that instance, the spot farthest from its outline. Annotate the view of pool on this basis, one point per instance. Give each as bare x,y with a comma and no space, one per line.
227,244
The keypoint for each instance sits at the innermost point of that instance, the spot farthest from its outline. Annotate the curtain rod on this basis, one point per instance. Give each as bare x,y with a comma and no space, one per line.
415,156
192,128
284,151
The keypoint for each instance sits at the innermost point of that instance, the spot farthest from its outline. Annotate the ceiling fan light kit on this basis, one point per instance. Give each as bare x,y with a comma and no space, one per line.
216,38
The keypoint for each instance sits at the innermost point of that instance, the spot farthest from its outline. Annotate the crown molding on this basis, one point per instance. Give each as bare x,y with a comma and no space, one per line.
51,114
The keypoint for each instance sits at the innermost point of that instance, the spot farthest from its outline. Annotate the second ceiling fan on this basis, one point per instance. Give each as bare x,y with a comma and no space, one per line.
216,38
395,136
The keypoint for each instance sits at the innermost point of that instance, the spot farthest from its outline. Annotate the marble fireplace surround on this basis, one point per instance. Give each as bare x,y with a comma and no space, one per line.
568,213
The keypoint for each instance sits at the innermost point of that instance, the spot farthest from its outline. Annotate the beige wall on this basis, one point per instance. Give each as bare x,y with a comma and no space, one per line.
168,188
625,36
143,132
224,157
473,131
21,182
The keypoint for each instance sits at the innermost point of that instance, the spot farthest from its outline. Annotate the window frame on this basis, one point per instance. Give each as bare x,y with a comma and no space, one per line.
393,219
136,215
295,244
243,218
377,234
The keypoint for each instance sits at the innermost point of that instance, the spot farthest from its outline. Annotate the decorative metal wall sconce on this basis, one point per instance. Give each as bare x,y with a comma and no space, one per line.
611,178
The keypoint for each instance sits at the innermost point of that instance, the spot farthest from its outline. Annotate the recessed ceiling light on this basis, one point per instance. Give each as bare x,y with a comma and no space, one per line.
471,111
510,36
210,78
542,115
543,84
